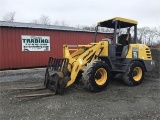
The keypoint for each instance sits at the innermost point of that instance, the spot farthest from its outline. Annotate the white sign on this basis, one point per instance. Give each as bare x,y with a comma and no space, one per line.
35,43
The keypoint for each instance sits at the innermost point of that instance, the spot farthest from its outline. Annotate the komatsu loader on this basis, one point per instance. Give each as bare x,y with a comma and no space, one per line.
99,62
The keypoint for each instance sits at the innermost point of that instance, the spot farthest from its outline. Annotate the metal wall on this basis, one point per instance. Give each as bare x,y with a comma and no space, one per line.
12,56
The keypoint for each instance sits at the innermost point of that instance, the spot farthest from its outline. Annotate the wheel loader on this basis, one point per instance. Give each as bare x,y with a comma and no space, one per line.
98,62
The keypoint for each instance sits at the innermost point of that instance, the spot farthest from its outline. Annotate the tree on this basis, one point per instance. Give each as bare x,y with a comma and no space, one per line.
86,28
63,23
92,27
142,32
56,22
77,26
45,20
9,17
158,43
35,21
109,30
151,35
157,31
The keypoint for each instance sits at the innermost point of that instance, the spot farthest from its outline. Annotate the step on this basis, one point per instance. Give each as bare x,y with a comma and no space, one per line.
120,58
121,71
120,64
118,52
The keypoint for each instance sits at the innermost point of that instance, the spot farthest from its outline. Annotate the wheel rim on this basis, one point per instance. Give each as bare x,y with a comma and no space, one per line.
102,76
138,75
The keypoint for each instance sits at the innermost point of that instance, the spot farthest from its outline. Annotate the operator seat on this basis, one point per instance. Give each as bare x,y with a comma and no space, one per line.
122,41
124,51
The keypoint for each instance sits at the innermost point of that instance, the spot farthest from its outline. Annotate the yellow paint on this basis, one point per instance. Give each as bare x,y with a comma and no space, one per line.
139,74
79,58
122,19
103,77
143,51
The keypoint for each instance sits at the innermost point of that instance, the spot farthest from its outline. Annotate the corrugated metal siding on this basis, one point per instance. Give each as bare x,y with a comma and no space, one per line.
37,26
12,56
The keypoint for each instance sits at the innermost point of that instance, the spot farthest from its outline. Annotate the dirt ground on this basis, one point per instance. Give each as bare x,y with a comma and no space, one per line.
117,102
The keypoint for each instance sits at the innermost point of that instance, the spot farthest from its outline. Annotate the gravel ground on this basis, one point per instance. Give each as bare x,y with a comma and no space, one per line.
117,102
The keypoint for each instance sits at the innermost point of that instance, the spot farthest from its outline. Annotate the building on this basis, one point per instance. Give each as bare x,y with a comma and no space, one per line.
28,45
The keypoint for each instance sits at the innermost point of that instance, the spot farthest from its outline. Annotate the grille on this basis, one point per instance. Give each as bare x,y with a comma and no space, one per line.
148,53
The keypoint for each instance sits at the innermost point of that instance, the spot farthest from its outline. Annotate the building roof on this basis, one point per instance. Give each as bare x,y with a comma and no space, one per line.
38,26
122,22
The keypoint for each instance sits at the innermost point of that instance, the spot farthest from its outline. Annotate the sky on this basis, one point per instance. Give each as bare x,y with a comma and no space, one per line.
83,12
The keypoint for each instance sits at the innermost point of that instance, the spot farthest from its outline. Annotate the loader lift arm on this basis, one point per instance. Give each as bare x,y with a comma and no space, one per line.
90,52
79,58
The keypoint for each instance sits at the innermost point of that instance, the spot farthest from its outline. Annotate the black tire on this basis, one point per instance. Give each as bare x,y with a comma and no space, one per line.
134,74
113,76
78,78
96,76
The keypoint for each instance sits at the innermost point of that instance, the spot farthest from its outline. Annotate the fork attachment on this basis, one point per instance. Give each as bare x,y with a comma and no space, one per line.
57,76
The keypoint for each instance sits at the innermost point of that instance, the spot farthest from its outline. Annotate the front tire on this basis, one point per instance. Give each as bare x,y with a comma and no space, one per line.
134,74
96,76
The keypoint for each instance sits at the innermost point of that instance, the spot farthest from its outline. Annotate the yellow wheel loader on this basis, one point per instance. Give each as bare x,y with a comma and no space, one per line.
99,62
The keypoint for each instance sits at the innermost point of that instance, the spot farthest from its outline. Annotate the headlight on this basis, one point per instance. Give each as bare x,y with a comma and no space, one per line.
153,63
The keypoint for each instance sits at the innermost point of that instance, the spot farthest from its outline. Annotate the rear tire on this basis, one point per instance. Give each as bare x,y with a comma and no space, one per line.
96,76
113,76
134,74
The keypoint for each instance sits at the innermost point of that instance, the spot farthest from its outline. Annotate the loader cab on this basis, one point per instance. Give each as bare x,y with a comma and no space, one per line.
122,35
